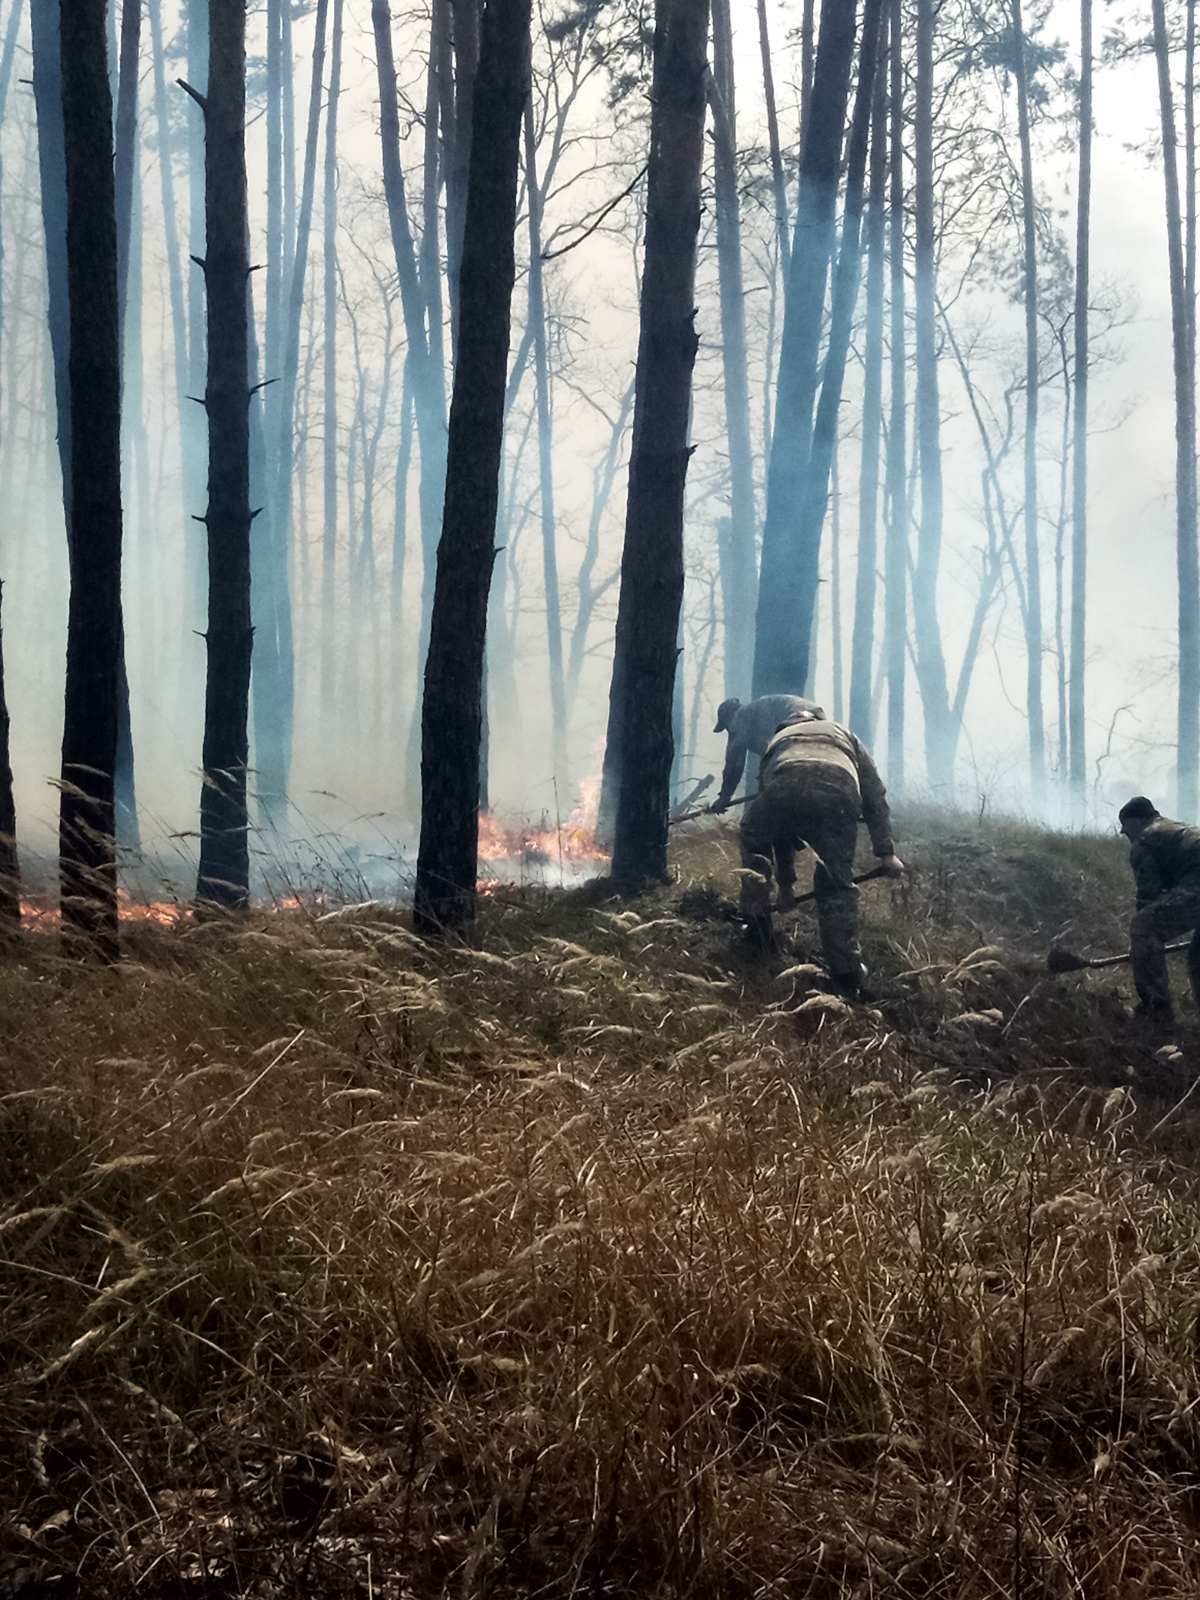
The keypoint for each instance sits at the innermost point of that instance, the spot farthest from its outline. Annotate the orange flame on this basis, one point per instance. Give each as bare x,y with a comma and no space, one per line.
520,846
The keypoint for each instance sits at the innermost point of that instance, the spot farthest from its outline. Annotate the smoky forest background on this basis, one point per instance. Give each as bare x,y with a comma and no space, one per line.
419,413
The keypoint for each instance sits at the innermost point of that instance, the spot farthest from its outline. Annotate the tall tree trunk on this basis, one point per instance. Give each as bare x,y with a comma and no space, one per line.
814,492
1188,781
895,625
1033,577
640,744
778,181
780,656
224,878
931,661
10,874
545,425
426,367
447,861
740,565
808,55
465,18
89,750
862,648
1077,702
329,541
274,665
128,832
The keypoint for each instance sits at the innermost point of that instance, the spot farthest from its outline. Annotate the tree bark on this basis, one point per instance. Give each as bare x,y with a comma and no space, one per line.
465,18
451,716
930,657
1035,713
814,493
330,531
1188,776
545,426
896,552
780,657
738,587
224,877
778,181
1077,699
862,648
87,853
10,873
640,743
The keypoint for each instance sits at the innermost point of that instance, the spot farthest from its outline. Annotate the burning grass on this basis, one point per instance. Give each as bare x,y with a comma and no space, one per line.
598,1260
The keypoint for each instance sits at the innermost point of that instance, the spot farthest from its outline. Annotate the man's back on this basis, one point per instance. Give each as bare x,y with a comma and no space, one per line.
755,723
1162,854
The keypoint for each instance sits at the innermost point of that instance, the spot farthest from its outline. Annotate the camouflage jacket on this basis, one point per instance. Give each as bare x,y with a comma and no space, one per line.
827,744
1163,856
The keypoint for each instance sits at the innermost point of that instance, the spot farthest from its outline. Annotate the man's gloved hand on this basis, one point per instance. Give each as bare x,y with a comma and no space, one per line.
719,806
892,866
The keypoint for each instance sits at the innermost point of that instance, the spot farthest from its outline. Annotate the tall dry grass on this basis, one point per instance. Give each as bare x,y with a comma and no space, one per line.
601,1260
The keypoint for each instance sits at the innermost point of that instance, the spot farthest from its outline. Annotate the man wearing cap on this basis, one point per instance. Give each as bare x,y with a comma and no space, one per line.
750,728
1165,857
817,780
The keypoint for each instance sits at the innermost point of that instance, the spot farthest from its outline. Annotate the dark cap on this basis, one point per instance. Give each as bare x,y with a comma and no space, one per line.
1139,809
726,711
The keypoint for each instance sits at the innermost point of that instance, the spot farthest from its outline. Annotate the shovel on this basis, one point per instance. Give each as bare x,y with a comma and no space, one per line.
1060,959
863,877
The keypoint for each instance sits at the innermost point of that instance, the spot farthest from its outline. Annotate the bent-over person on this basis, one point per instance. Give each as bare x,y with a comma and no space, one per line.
1165,857
750,728
817,781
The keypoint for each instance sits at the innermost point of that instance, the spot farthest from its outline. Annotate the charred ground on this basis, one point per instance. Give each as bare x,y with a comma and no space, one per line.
604,1258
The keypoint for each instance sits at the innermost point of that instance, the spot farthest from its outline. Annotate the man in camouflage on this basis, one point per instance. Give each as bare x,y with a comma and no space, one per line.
817,780
750,728
1165,857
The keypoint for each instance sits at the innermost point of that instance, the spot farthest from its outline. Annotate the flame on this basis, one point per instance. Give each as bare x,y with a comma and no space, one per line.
516,846
41,915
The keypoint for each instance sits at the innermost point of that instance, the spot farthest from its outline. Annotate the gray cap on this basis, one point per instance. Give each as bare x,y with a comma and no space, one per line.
726,711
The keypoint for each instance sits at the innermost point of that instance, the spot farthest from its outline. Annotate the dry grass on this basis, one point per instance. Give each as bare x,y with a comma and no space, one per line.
601,1260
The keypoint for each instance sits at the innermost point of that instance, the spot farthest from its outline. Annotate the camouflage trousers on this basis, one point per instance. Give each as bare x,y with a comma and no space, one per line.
815,805
1173,913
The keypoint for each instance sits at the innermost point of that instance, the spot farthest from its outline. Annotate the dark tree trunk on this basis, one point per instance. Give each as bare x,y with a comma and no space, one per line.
808,54
895,627
128,832
465,18
780,656
1188,781
224,878
862,649
451,714
89,751
931,660
545,426
425,360
1076,703
740,563
814,495
640,743
10,875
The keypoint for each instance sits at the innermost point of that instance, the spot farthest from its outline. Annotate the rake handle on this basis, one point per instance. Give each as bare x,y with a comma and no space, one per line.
1119,961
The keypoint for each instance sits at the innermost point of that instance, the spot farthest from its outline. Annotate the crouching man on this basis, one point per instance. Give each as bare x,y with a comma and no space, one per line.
817,781
1165,857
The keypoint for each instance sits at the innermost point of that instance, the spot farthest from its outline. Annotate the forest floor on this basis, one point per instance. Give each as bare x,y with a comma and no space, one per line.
606,1258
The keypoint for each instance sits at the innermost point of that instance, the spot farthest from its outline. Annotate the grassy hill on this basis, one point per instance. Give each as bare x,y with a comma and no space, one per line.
606,1258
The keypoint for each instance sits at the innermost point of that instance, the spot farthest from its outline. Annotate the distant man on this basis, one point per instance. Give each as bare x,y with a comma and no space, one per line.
816,782
750,728
1165,857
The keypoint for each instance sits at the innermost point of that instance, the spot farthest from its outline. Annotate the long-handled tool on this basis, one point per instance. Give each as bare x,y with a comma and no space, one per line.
863,877
704,811
1060,959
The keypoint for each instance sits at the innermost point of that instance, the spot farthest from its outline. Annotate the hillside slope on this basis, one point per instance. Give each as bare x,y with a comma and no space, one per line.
606,1258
